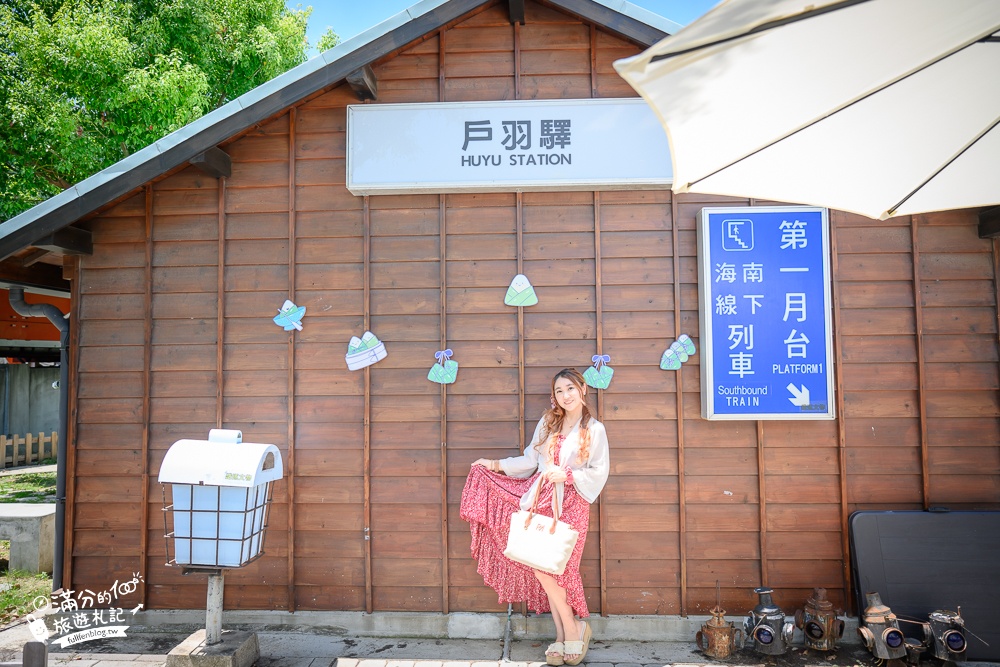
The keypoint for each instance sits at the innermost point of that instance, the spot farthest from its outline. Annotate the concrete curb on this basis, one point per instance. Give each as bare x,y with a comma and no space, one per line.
456,625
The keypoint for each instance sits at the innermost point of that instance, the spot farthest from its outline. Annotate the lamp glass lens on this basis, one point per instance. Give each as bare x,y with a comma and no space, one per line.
954,641
893,638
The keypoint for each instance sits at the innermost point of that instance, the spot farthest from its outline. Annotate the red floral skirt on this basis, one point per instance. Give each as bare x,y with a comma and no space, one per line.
488,500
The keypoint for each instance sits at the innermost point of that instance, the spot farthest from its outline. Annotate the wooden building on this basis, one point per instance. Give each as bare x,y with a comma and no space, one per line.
172,335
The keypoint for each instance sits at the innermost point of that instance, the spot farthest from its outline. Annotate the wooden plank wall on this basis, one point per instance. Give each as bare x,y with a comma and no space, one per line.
175,337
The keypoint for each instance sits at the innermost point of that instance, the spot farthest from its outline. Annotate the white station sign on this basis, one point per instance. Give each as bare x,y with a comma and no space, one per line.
588,144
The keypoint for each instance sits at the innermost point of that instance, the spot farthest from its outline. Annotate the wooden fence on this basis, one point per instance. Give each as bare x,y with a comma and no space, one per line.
22,450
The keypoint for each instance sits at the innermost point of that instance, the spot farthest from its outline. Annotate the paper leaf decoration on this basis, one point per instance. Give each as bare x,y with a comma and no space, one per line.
364,351
670,361
520,292
678,352
444,371
688,344
290,316
599,376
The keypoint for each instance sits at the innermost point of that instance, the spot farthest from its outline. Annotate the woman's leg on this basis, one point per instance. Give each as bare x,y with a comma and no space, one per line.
556,617
567,627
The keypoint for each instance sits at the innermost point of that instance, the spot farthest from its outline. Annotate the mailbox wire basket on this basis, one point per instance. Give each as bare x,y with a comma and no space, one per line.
212,530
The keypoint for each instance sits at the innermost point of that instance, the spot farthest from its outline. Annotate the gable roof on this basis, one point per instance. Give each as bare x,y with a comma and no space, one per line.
282,92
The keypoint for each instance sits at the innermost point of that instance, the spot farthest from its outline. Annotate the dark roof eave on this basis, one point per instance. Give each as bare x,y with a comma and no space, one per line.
622,20
269,99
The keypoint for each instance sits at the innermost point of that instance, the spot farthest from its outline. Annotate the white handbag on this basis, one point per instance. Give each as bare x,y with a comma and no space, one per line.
540,542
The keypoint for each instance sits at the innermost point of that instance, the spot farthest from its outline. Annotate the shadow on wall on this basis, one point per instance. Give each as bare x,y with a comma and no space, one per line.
30,399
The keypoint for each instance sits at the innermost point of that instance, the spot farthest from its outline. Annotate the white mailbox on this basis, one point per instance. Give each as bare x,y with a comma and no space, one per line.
220,490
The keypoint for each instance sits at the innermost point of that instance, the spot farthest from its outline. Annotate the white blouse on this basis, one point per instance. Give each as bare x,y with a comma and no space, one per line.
589,476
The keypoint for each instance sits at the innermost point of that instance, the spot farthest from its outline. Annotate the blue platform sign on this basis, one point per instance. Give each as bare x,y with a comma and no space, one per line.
764,291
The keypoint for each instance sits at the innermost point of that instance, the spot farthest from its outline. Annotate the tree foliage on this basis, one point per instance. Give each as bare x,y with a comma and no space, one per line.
327,40
85,83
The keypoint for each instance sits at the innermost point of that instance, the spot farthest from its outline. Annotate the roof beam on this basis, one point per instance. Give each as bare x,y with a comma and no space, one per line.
34,257
215,162
68,241
363,82
989,223
43,276
516,10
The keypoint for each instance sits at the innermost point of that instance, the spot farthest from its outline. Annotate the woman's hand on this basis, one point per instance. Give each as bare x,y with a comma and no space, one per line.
483,462
556,475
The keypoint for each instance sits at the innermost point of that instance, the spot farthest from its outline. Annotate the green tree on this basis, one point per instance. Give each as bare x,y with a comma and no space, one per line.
85,83
327,40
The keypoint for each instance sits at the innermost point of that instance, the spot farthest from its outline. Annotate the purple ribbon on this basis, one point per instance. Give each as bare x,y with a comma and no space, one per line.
443,355
599,359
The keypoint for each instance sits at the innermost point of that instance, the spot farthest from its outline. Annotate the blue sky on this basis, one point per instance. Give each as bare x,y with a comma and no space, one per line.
350,17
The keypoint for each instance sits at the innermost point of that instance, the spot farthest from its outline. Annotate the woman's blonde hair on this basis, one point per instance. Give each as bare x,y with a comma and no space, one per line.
553,418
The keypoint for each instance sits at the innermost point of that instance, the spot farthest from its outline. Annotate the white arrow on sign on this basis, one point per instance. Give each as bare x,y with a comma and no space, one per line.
801,397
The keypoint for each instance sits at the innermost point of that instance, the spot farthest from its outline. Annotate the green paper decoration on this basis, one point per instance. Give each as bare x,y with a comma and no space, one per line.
290,316
599,376
670,361
678,352
445,370
520,292
364,351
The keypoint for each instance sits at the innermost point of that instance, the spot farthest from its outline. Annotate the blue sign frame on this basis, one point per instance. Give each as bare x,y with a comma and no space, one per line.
765,313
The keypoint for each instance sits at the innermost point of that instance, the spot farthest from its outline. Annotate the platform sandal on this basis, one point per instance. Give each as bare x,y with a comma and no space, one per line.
578,647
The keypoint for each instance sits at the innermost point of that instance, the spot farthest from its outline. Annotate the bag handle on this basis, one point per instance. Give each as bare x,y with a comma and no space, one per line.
555,506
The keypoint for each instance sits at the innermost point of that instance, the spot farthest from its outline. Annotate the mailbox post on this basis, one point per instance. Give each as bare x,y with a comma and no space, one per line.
219,499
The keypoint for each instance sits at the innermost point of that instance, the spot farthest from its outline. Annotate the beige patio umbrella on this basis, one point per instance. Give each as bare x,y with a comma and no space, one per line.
880,107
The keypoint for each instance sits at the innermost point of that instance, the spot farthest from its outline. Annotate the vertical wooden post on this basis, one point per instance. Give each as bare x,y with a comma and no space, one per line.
220,307
918,314
517,61
679,399
996,281
369,602
593,61
599,312
73,270
762,503
292,116
520,325
29,446
3,451
838,366
519,221
147,383
443,229
441,55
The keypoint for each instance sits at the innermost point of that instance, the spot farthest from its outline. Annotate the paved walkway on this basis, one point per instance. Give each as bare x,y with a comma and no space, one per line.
315,648
340,642
284,648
